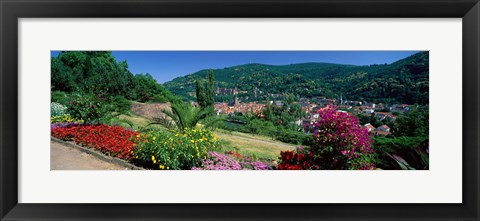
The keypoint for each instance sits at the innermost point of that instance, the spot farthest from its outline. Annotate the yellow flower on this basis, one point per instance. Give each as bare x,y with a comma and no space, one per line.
192,141
153,138
168,168
136,157
162,167
153,158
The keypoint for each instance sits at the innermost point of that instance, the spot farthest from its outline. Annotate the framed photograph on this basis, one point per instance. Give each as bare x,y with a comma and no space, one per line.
256,110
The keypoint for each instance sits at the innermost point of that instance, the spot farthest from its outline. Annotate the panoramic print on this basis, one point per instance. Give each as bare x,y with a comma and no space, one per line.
239,110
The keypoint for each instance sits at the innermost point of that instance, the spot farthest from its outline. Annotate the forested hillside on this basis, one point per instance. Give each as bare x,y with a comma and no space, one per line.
404,81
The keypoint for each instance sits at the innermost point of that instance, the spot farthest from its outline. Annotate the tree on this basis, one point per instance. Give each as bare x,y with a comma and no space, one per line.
256,126
99,72
62,77
182,116
413,123
205,93
145,88
268,111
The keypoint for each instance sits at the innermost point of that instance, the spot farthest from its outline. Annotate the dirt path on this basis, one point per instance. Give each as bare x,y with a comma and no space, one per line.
69,158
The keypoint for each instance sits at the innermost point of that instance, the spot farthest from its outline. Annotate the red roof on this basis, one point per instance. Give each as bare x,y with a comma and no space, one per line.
383,133
369,126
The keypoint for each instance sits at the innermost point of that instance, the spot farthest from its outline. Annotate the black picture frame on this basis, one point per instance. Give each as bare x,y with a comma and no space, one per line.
12,10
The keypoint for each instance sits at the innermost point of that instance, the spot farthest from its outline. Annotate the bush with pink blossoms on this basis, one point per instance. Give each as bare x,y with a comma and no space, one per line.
218,161
340,143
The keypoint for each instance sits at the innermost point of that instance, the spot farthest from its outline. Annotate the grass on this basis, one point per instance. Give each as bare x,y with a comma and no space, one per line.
246,135
261,147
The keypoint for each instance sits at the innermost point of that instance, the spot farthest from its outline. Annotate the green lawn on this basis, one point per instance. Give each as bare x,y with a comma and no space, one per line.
261,147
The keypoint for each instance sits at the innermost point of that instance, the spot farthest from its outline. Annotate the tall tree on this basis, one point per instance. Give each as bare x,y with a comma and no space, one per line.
205,93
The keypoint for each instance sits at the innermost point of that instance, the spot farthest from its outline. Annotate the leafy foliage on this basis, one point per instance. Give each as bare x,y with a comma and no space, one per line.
181,116
99,72
204,92
402,152
89,107
408,147
60,97
414,123
93,108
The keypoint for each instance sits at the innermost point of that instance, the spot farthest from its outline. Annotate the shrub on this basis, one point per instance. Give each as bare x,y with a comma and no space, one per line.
121,104
300,159
294,137
89,107
340,143
177,151
113,140
59,97
57,109
160,98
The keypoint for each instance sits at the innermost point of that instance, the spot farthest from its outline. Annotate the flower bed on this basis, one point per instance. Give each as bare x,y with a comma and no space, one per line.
228,161
190,149
65,118
113,140
174,151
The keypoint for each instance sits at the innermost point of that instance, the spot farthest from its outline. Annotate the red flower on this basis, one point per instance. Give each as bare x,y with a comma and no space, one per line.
113,140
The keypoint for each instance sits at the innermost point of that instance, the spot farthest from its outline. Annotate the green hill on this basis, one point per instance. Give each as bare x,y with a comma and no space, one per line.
404,81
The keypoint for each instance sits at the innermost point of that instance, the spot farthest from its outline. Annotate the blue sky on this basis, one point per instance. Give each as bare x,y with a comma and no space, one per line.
166,65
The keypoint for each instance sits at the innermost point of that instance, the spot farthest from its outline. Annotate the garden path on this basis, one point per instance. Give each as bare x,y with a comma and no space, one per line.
69,158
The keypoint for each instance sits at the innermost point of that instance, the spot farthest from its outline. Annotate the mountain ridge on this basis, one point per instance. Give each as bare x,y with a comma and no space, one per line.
403,81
